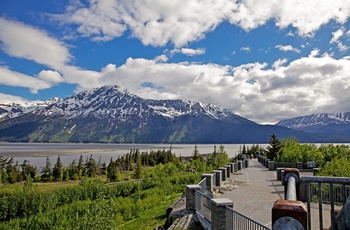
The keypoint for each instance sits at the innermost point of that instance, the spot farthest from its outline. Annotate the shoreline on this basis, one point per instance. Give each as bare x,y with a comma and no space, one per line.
67,152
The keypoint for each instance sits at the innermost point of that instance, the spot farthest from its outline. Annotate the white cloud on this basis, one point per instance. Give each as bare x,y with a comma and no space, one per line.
13,78
335,39
23,41
308,85
336,35
306,16
51,76
314,53
155,22
287,48
161,58
280,62
188,51
290,34
246,49
7,98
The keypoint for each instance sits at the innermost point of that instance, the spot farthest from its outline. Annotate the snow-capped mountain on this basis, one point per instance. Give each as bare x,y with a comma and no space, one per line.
109,114
12,110
324,123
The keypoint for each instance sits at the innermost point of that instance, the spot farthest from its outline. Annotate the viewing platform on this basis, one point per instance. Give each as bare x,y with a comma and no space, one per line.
247,195
255,189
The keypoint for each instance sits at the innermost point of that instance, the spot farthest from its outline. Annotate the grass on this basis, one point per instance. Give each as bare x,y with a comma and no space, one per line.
149,220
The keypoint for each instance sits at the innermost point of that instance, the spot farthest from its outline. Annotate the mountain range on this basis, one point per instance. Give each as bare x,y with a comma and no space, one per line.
111,115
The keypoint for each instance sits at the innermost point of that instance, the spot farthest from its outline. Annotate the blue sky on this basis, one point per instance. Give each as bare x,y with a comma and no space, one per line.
264,60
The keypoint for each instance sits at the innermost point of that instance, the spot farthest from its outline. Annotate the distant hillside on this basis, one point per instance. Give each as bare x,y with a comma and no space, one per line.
111,115
329,125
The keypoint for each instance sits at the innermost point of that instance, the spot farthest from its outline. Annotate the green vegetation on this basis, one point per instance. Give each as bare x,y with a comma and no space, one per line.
333,160
90,195
131,191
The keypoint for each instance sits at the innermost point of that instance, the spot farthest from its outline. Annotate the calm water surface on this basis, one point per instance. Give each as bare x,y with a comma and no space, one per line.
36,153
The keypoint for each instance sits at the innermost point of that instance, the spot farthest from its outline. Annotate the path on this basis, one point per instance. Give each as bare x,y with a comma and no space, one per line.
256,193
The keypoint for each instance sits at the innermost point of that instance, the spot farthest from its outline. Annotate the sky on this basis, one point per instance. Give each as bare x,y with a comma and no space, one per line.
265,60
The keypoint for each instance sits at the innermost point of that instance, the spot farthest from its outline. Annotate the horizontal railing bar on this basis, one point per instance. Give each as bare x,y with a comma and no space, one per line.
325,179
241,215
202,194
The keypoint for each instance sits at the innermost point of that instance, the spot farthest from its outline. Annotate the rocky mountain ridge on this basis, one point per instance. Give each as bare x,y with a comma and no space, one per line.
111,115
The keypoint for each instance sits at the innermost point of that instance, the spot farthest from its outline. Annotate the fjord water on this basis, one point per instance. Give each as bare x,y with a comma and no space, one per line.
36,153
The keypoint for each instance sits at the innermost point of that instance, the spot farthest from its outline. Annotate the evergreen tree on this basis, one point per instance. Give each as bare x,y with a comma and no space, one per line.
73,170
81,167
91,167
112,171
274,147
46,171
28,169
195,153
57,172
12,172
138,167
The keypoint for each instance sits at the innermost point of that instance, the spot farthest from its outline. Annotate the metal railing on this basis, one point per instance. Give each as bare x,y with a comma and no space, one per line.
203,205
203,184
339,196
238,221
337,193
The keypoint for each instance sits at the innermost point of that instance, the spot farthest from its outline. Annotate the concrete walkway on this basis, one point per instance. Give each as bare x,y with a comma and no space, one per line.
255,191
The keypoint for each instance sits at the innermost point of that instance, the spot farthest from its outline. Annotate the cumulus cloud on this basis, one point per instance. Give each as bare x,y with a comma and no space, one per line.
155,22
280,62
13,78
23,41
336,35
7,98
287,48
188,51
50,76
336,39
307,85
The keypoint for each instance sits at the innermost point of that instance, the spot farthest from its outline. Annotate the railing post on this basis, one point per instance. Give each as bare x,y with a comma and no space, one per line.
218,177
240,163
232,167
290,213
228,170
223,173
218,213
209,178
191,197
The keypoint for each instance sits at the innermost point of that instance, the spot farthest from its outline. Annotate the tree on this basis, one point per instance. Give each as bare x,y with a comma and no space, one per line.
138,167
12,171
28,169
222,157
91,167
73,170
195,153
81,167
339,167
274,147
57,171
112,171
46,171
